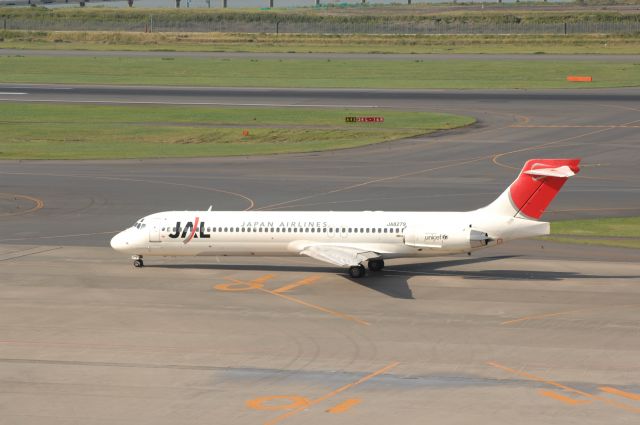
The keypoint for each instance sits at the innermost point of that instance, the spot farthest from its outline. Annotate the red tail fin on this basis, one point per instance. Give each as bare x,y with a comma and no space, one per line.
538,183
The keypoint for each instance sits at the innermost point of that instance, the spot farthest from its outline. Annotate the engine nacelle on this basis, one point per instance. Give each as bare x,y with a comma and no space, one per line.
449,239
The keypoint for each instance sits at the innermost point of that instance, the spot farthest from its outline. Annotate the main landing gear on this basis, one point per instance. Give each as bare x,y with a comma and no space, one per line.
358,271
137,261
376,265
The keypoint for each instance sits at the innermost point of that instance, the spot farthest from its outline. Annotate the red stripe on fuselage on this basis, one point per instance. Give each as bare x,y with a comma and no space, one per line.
193,231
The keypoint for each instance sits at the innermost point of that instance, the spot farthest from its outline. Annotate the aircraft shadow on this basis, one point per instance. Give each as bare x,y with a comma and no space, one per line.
393,281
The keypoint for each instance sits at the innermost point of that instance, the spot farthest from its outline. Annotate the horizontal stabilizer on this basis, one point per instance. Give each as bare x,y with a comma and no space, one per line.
537,184
562,172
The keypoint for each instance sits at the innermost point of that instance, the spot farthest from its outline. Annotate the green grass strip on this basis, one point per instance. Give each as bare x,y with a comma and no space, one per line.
44,131
315,73
601,227
620,232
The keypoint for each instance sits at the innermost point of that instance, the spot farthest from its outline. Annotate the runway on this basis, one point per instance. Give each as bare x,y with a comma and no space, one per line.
530,332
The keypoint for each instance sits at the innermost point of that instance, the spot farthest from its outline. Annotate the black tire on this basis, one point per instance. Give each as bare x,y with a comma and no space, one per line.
356,271
138,263
375,265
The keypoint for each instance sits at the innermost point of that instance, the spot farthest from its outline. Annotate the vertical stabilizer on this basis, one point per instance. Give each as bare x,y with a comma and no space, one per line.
537,184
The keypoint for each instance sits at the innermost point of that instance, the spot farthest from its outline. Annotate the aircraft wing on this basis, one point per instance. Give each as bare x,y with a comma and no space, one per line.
342,256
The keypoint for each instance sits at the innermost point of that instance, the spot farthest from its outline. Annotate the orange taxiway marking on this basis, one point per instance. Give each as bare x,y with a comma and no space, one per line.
344,406
307,281
563,398
37,203
567,388
258,284
261,403
615,391
331,394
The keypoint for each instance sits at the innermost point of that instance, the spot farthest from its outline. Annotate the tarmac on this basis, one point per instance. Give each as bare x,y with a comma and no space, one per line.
530,332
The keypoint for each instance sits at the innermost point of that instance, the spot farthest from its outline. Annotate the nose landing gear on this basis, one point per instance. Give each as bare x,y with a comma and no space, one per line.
137,261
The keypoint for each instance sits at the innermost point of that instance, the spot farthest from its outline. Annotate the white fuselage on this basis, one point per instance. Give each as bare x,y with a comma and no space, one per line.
391,234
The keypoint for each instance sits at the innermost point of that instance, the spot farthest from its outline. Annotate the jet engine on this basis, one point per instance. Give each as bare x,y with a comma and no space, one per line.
449,239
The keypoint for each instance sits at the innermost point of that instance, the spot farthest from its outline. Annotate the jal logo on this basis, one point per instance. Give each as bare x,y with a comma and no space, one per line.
192,229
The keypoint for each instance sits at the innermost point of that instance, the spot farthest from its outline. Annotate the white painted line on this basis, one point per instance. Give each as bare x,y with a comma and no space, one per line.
4,93
136,102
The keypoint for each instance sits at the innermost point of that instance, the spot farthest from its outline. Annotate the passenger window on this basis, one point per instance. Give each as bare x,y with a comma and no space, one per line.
295,230
330,229
355,230
385,230
306,230
350,229
313,230
344,230
361,230
226,229
324,230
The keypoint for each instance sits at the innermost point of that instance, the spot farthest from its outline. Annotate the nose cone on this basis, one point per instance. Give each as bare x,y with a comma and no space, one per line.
119,242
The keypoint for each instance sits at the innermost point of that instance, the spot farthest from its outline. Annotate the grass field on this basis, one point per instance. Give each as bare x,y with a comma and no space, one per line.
181,71
615,232
319,43
38,131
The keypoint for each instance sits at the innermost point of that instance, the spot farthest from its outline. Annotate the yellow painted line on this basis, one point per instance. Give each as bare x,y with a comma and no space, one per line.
307,281
378,180
564,399
38,203
495,158
316,307
128,179
332,393
542,316
522,118
532,377
615,391
344,406
561,313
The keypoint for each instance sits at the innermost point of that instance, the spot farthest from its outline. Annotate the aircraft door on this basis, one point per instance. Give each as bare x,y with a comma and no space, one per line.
154,230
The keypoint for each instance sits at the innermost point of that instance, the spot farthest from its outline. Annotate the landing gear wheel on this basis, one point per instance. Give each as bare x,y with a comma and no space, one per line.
356,271
138,263
376,265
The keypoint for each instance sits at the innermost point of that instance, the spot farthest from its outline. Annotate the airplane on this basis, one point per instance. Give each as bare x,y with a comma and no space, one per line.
351,239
